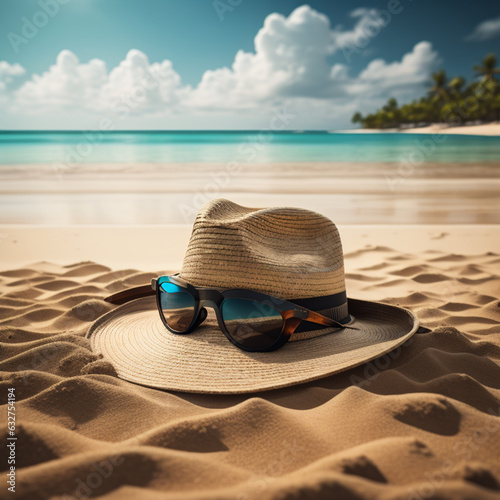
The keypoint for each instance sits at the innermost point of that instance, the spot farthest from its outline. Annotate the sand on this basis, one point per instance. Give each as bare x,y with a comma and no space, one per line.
483,129
492,129
422,423
172,193
157,247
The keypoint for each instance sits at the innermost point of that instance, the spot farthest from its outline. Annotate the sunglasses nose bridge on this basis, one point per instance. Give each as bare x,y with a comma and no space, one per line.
209,298
209,303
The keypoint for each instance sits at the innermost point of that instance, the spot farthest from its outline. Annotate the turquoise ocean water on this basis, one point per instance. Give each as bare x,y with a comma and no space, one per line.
251,147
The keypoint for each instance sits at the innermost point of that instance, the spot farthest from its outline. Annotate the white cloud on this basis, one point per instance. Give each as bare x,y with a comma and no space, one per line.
8,72
142,86
369,23
134,83
407,75
67,84
485,31
291,62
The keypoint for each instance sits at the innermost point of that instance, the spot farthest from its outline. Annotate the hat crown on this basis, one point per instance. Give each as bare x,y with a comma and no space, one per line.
286,252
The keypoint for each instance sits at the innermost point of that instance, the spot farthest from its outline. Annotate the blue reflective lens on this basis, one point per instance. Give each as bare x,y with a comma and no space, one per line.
251,323
177,305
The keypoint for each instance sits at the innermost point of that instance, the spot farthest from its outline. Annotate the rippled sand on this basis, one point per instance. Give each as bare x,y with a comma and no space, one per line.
422,422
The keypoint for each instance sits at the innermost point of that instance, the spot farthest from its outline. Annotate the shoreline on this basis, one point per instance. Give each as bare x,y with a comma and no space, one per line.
486,129
309,177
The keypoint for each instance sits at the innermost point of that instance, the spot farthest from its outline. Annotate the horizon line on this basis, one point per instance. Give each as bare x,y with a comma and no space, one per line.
171,130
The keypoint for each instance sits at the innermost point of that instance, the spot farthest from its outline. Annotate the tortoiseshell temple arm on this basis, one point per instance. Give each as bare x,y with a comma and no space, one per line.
130,294
294,317
318,318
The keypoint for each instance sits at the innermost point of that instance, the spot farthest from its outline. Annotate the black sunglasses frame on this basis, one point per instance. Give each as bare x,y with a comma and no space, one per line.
291,313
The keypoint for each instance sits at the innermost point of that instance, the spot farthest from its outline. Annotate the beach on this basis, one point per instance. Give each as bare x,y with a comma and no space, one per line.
489,129
485,129
250,250
420,228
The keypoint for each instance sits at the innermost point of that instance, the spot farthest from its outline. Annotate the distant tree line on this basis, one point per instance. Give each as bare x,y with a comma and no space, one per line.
448,101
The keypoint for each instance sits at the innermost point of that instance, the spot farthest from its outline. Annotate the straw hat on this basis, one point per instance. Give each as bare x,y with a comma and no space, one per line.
290,253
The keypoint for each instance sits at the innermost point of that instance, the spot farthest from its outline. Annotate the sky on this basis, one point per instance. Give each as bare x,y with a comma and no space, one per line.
228,64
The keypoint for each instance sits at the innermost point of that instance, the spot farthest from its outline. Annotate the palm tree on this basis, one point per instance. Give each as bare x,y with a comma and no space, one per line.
439,87
456,85
392,105
488,70
357,118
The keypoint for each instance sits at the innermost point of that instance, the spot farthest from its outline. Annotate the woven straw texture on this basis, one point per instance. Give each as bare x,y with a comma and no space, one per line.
133,338
290,253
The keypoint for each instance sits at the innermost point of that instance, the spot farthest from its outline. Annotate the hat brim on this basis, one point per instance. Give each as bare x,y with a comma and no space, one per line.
133,338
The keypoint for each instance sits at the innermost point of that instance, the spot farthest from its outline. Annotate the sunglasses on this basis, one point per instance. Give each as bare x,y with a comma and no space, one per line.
251,320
